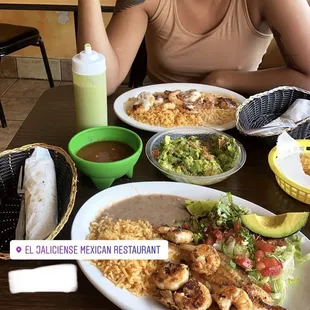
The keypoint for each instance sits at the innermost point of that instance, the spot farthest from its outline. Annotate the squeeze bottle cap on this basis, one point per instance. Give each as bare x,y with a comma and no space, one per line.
88,62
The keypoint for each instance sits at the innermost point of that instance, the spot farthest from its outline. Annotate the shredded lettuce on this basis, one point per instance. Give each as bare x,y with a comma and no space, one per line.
221,213
233,264
295,246
225,213
290,256
228,247
241,250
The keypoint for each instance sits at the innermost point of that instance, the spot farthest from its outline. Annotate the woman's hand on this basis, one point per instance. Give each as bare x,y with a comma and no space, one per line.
217,78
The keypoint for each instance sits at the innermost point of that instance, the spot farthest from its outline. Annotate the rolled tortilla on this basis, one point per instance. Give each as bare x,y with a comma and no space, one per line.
41,210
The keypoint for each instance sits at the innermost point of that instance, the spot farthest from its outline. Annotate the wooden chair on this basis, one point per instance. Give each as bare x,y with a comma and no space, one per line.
14,38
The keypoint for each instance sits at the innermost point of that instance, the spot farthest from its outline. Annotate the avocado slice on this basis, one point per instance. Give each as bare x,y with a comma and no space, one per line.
277,226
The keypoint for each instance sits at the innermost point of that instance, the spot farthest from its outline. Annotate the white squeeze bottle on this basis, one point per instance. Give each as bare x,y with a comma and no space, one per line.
90,89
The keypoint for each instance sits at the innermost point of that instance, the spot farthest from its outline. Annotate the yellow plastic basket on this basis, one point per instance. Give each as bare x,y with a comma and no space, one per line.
294,190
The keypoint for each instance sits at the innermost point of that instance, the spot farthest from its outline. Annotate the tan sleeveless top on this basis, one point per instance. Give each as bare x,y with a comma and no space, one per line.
177,55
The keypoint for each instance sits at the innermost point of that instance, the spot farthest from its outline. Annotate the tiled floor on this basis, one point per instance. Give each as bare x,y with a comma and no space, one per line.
18,98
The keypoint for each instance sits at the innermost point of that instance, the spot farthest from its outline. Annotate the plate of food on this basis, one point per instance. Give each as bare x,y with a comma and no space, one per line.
158,107
222,249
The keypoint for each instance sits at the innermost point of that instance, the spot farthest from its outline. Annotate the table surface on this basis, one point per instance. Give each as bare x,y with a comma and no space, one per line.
52,121
52,2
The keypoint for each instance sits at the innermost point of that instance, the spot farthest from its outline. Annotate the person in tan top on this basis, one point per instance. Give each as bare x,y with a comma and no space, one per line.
216,42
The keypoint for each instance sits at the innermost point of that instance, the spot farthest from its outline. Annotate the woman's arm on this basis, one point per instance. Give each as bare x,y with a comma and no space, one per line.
120,43
290,23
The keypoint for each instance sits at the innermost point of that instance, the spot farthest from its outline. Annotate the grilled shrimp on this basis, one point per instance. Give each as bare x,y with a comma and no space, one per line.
205,259
158,99
169,106
180,253
194,96
171,276
233,296
174,253
260,298
227,103
144,103
176,234
146,96
193,296
190,108
257,293
186,251
166,298
202,279
173,97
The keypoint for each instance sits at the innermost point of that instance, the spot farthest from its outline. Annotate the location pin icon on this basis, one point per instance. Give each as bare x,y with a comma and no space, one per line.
18,249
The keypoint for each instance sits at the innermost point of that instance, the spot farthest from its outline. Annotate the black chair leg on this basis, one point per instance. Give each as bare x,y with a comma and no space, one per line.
2,116
46,63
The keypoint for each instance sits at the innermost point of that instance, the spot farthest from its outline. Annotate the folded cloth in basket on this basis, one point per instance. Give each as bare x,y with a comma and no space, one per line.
297,112
41,212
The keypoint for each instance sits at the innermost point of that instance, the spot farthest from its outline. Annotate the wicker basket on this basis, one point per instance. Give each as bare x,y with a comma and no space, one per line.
261,109
10,164
296,191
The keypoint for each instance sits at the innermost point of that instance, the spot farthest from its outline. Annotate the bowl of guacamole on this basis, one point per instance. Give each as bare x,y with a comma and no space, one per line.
196,155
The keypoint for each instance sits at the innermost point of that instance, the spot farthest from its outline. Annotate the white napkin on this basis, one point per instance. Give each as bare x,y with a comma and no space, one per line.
289,162
297,112
41,213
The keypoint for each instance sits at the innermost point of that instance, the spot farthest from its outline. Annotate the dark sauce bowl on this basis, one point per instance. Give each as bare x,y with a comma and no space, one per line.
103,174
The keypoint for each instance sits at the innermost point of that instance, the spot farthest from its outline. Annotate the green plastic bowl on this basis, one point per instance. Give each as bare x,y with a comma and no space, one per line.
104,174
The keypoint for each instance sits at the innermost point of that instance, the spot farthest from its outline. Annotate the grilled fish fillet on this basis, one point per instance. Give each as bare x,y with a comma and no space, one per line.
165,297
225,276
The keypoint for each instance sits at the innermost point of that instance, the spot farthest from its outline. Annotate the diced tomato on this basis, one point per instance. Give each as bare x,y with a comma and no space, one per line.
281,242
259,255
267,288
156,153
236,226
276,242
270,262
222,228
218,235
271,241
260,266
222,142
210,240
228,234
264,246
210,229
185,226
244,262
271,271
239,240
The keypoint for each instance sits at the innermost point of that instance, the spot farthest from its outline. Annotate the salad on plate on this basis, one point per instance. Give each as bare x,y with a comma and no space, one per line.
248,240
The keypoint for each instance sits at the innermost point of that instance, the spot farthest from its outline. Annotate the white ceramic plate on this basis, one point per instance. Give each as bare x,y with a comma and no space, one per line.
297,297
122,115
